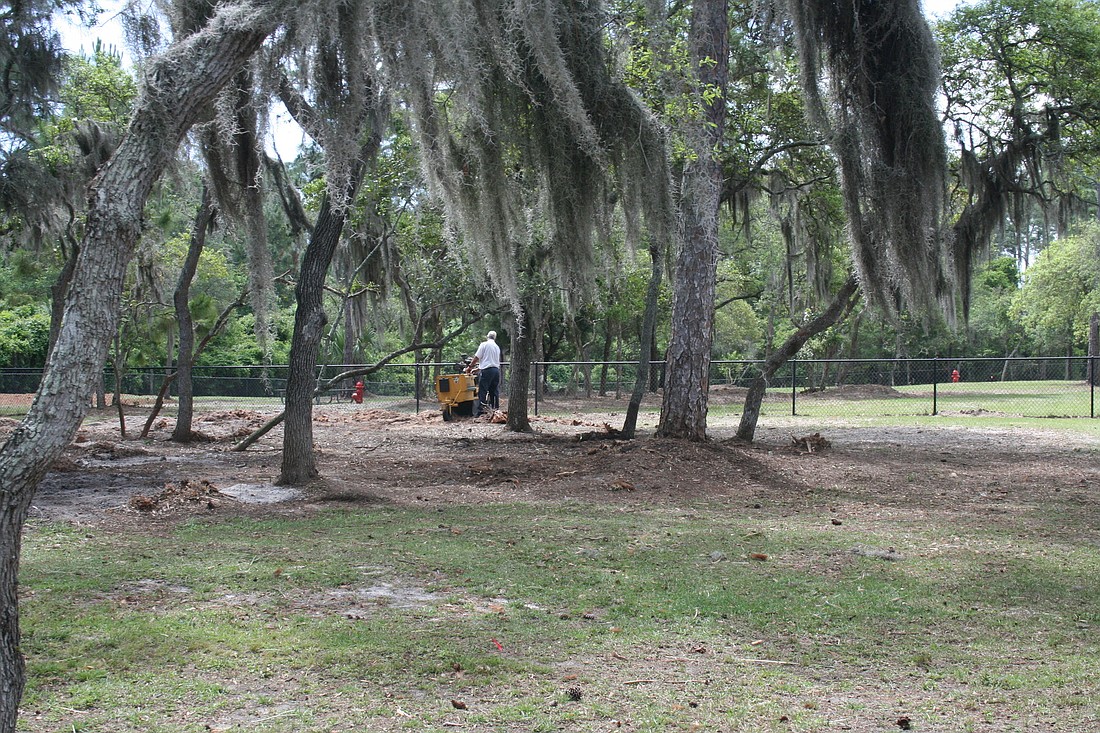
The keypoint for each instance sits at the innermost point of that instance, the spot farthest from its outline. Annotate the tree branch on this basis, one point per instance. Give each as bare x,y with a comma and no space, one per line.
746,296
325,386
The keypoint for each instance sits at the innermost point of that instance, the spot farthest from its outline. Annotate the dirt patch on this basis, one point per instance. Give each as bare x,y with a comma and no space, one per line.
381,456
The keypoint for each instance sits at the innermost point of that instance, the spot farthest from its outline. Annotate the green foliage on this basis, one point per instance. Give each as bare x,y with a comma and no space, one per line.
25,278
1022,88
96,89
24,336
738,330
994,330
237,345
1061,290
214,277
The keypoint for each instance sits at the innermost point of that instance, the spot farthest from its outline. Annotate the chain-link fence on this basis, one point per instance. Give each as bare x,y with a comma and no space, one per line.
394,387
1012,387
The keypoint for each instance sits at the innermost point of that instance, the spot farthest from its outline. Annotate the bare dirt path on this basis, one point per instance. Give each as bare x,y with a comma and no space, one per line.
368,456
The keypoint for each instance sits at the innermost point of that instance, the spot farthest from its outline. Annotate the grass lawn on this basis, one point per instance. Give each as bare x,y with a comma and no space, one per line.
559,617
968,399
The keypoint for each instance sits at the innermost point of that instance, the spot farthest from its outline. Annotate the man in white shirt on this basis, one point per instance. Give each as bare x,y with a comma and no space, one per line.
487,358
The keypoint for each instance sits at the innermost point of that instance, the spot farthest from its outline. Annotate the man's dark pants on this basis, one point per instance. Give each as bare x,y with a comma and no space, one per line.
488,388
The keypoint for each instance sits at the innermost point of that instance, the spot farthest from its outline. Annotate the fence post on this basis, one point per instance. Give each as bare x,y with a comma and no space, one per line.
416,386
1092,386
794,384
935,384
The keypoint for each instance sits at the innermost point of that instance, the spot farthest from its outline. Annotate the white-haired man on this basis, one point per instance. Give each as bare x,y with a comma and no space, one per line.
487,359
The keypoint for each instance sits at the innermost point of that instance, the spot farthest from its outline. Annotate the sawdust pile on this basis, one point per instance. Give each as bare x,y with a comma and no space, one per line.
180,494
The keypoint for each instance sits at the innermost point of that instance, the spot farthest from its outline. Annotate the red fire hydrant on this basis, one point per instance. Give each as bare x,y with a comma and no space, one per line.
954,375
357,395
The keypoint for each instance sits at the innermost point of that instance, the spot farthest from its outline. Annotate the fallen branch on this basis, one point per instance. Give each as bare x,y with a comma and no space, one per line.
260,432
328,384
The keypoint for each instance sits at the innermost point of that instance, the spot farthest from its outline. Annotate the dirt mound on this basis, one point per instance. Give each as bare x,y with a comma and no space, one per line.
854,392
390,417
227,425
247,415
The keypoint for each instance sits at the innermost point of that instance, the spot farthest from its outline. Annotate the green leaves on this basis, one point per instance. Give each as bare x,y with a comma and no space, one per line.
1061,290
24,336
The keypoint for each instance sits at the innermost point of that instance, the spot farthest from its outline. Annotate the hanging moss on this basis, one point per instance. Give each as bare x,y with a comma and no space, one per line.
525,131
870,72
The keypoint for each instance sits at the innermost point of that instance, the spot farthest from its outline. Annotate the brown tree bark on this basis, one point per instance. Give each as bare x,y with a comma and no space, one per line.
687,373
179,86
182,301
649,328
299,464
519,378
846,299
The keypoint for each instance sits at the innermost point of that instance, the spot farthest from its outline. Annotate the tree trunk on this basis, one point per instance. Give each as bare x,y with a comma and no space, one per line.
299,464
185,79
523,337
656,376
841,306
119,369
181,300
351,335
538,354
649,327
619,367
684,409
58,292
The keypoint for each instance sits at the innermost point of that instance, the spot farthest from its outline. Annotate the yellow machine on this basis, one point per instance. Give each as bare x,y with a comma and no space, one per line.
457,394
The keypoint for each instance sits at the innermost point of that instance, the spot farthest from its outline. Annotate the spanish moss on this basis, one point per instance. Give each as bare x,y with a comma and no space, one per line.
526,133
870,71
